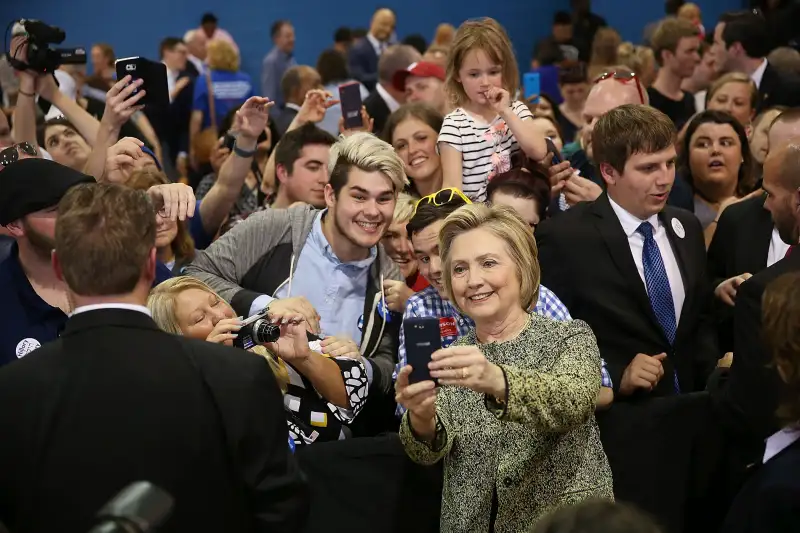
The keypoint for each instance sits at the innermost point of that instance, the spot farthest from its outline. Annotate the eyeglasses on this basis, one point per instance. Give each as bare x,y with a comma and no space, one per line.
440,198
11,154
625,77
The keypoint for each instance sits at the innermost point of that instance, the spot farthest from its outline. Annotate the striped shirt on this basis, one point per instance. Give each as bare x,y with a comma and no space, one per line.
486,149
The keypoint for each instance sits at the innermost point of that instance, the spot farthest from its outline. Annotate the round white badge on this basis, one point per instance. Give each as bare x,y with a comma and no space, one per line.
678,228
26,346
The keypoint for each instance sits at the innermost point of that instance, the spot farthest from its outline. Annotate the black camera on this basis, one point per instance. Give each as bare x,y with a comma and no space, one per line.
41,58
257,330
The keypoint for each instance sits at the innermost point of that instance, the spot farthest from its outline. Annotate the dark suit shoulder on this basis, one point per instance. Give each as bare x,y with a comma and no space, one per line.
226,360
755,286
746,209
567,221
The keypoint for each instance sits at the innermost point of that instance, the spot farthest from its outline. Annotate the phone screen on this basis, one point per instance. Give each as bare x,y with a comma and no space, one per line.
551,147
531,84
422,338
350,96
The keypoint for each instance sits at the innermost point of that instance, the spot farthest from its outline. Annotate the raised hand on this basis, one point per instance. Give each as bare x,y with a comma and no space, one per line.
120,105
315,105
175,201
499,99
251,119
121,159
367,124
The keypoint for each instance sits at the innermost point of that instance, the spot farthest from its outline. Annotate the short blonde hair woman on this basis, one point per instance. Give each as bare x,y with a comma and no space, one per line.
735,93
187,306
222,56
398,246
514,405
640,59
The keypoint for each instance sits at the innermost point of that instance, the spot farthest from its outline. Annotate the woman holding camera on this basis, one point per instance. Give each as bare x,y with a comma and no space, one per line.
322,394
513,412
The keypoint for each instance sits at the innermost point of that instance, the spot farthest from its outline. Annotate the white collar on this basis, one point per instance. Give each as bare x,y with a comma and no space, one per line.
95,307
376,44
780,441
289,105
631,223
758,74
391,103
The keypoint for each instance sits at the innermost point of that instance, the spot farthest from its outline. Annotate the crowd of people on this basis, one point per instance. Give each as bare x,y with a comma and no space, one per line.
211,295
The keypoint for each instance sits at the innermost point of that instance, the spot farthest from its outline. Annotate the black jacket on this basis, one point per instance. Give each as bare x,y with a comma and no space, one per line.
778,88
116,400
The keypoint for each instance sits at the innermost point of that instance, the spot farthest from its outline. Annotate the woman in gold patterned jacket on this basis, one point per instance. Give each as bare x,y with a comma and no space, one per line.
513,415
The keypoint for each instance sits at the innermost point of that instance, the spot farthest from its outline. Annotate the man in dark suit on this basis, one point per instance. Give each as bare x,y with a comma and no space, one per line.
115,400
746,241
386,99
770,500
632,267
295,84
741,44
746,403
362,58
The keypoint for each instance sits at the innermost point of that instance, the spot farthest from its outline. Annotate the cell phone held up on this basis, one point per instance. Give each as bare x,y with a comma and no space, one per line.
153,74
422,338
350,97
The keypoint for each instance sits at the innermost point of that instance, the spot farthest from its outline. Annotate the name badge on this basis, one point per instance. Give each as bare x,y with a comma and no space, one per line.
447,327
361,323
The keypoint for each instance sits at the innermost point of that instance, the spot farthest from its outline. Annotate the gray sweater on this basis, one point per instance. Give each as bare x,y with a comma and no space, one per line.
254,259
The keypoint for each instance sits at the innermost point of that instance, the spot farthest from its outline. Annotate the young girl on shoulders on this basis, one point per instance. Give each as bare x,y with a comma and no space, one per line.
486,127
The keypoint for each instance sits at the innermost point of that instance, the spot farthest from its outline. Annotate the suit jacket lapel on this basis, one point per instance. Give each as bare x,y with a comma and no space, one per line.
617,242
762,236
686,264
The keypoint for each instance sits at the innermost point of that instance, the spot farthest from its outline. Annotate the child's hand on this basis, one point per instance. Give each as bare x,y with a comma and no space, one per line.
499,99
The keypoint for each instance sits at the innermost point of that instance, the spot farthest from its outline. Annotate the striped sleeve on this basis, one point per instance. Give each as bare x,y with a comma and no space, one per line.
522,110
450,134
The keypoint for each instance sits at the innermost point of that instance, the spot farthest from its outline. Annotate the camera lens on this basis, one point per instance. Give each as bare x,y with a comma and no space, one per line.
264,331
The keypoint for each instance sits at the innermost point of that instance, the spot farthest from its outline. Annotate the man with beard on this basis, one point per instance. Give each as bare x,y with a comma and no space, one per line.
35,303
326,265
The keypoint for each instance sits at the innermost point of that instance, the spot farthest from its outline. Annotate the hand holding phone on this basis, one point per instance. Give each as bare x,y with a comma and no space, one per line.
531,84
350,96
153,78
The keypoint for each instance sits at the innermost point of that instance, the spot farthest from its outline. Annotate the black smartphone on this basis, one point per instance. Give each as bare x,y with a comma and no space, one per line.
551,147
154,75
350,97
423,337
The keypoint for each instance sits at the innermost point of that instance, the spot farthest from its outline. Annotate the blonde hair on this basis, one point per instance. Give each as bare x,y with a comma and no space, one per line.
668,36
734,77
634,57
222,56
368,153
482,34
604,48
505,224
444,34
161,304
404,208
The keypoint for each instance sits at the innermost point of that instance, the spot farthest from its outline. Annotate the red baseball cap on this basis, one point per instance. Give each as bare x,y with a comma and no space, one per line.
422,69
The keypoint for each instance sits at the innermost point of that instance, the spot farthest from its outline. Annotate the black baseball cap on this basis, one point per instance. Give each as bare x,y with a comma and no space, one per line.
30,185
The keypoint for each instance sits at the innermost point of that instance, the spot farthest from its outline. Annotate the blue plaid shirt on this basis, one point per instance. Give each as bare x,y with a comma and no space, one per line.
427,303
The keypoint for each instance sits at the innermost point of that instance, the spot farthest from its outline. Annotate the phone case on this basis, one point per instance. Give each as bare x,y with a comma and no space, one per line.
154,75
422,338
350,97
531,84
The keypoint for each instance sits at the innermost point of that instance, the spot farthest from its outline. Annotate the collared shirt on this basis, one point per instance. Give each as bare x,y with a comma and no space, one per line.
273,67
172,80
336,289
630,224
777,248
95,307
758,74
428,303
26,320
780,441
378,46
391,103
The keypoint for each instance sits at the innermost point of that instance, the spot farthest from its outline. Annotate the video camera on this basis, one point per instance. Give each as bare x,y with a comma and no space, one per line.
41,58
257,330
139,508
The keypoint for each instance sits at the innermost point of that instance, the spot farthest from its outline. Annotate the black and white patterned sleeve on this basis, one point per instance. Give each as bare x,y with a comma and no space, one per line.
357,386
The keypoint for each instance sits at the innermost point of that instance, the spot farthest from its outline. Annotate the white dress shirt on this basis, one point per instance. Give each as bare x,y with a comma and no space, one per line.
780,441
391,103
377,45
777,248
95,307
630,224
758,74
172,79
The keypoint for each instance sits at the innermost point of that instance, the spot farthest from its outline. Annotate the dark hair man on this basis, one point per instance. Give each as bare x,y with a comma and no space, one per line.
116,400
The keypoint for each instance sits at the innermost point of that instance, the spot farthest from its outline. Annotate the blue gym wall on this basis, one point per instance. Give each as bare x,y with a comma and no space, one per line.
135,28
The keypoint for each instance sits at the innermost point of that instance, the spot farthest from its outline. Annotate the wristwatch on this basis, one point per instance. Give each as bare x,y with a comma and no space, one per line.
243,153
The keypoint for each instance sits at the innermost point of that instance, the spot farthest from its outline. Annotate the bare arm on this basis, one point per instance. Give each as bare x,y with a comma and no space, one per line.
194,126
326,376
451,166
24,118
143,123
529,139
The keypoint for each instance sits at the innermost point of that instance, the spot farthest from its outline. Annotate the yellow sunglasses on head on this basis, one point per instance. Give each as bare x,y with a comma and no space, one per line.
440,198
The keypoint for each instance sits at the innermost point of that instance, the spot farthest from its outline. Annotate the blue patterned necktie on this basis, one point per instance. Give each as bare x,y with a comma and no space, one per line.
658,289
